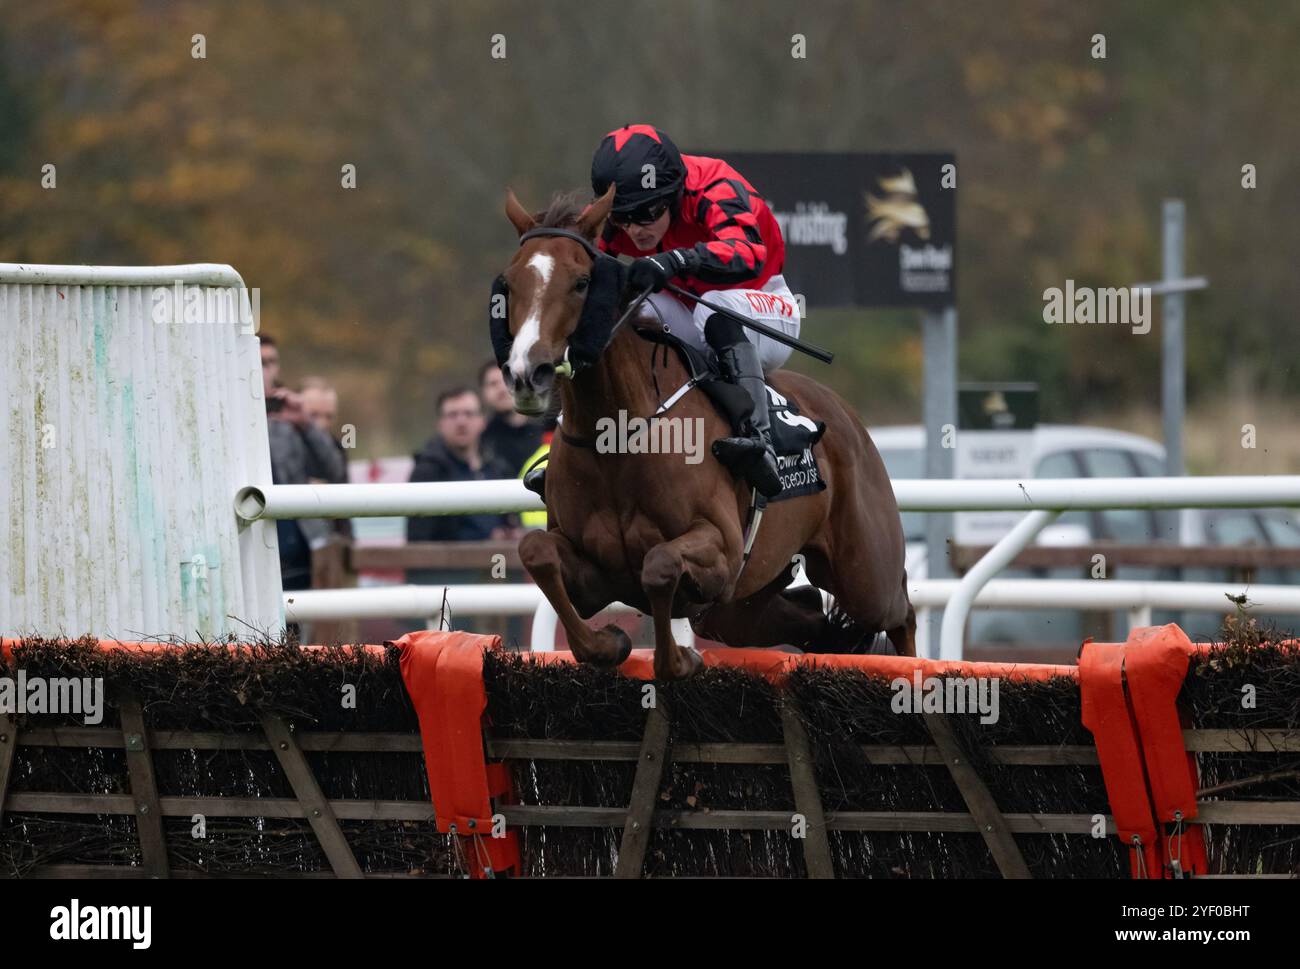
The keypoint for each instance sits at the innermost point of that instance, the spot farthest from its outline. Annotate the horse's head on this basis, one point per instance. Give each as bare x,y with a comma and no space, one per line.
546,287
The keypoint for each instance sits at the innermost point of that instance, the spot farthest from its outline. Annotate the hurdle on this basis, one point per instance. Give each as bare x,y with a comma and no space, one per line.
134,413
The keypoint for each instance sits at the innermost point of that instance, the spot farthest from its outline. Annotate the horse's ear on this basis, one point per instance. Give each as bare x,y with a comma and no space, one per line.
517,214
595,214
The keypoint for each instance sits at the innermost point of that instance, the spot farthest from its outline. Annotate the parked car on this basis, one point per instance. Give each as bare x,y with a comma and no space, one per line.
1058,451
1070,451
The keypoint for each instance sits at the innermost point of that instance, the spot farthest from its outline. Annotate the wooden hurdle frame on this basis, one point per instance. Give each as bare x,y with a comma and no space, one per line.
1145,753
149,808
1146,756
653,753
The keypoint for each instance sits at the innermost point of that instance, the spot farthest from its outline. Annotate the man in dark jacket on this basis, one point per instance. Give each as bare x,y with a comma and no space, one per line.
453,455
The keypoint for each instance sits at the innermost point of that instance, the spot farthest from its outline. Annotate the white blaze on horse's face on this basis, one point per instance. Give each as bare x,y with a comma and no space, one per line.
530,331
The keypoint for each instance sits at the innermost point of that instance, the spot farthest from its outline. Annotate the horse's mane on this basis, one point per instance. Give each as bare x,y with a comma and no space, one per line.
564,210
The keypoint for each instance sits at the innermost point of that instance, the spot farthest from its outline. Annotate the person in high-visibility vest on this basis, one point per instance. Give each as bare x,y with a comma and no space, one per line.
537,519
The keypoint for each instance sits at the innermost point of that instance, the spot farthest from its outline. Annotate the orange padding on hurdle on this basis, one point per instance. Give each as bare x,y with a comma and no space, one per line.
1129,696
1155,668
443,673
1105,712
775,666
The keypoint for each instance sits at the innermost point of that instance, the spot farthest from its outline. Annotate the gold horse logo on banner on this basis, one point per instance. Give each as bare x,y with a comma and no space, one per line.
900,209
995,403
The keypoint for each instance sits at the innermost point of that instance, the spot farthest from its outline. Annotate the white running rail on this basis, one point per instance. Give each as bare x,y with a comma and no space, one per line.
1043,498
1138,598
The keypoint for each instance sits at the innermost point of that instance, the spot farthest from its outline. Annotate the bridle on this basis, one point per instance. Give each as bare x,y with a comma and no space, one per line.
567,367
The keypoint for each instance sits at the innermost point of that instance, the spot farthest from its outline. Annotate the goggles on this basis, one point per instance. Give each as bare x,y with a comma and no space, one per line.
643,215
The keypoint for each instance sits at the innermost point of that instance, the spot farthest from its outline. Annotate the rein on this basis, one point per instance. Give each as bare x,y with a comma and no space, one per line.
664,405
566,368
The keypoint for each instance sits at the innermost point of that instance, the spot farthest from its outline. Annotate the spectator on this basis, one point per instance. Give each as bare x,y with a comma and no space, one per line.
321,403
299,451
510,437
453,455
270,363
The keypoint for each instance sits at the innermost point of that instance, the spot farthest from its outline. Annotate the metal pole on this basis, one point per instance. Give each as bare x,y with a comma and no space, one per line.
1172,304
939,416
1011,544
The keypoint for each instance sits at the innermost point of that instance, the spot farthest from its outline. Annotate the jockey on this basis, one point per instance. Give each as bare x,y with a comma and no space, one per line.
696,222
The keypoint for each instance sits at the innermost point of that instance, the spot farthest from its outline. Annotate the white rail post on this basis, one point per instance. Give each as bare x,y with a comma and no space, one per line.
544,622
1139,617
952,632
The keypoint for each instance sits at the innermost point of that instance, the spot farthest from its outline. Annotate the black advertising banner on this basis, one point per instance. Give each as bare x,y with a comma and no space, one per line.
862,229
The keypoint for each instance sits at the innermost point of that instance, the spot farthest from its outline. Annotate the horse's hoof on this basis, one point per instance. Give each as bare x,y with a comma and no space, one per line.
694,658
621,643
692,661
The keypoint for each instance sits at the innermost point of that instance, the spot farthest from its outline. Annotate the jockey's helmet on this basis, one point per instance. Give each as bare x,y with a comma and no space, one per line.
646,168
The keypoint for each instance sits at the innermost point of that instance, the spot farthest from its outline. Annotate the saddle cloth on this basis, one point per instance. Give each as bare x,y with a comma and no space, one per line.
793,434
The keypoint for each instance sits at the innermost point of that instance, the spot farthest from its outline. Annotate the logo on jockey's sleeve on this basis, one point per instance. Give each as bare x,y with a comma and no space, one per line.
769,303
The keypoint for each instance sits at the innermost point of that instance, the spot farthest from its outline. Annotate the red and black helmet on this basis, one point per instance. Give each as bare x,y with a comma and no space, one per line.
622,159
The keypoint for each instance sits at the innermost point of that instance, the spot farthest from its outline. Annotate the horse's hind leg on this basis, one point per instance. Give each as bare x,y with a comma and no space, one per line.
861,595
695,565
556,567
772,617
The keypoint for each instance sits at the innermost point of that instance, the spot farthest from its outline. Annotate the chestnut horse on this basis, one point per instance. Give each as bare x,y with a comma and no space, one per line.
665,536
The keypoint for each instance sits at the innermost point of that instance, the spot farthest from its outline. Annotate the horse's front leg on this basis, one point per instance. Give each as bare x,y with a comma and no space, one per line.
556,566
698,557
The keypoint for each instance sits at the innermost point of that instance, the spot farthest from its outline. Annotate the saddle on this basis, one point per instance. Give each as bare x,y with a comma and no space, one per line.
793,434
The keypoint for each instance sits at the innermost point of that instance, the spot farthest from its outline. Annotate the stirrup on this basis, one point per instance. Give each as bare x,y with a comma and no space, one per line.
753,459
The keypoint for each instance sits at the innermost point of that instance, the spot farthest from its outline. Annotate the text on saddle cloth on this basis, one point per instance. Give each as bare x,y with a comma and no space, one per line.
793,437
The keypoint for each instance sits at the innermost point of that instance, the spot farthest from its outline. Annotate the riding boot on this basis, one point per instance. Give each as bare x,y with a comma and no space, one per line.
749,453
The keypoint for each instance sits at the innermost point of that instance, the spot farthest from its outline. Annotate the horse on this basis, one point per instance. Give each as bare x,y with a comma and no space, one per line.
665,536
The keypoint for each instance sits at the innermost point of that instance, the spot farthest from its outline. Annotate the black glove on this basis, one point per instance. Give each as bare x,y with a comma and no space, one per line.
653,272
